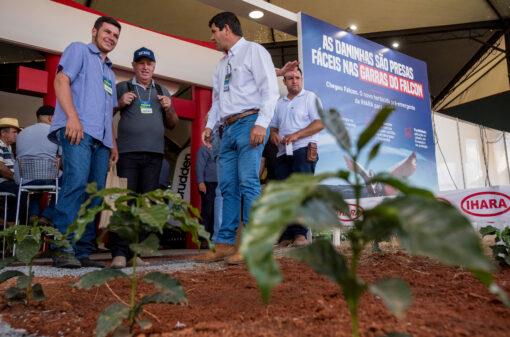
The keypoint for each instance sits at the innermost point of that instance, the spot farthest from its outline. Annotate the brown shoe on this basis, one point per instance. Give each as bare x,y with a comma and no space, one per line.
118,262
300,241
235,259
139,262
222,251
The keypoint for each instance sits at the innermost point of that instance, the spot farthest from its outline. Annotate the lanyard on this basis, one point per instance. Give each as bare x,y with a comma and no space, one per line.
101,66
140,97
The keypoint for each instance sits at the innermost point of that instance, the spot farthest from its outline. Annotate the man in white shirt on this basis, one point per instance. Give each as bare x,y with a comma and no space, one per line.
245,91
294,130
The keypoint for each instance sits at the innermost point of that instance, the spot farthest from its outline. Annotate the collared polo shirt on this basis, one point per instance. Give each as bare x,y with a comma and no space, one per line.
83,65
295,114
252,84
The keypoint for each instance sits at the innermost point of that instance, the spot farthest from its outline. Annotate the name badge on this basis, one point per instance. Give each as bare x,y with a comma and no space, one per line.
107,84
145,108
226,82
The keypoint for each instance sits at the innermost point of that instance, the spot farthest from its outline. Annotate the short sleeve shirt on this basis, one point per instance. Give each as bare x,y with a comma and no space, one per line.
87,73
141,131
294,115
7,158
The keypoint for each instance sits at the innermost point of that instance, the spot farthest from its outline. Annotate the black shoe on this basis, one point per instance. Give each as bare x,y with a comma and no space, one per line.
87,262
65,260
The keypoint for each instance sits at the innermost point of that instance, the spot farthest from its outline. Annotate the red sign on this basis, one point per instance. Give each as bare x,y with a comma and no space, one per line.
355,213
486,204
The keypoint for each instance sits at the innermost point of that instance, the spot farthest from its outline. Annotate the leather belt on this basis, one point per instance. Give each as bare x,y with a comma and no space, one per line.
234,118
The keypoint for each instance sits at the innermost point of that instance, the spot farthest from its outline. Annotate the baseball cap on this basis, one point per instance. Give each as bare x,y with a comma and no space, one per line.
143,52
45,110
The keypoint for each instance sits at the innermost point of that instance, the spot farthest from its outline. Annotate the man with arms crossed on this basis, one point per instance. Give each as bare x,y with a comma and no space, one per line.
244,97
82,125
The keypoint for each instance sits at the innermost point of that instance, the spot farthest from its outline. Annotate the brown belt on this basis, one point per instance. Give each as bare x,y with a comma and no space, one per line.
234,118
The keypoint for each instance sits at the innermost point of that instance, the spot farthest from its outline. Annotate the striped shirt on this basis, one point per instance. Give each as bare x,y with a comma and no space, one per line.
7,158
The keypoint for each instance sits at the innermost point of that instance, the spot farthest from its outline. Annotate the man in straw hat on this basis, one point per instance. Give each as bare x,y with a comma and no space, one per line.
9,128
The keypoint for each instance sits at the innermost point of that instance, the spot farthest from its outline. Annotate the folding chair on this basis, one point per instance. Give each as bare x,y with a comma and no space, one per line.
31,172
5,195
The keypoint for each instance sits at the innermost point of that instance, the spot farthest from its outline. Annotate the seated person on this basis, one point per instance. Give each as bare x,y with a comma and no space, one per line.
9,128
33,143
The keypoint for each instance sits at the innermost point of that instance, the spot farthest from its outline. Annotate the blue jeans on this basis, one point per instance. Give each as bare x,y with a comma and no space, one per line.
239,164
218,199
285,166
83,163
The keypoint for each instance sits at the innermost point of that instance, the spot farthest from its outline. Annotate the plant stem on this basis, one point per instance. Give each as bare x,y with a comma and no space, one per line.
29,286
134,286
353,309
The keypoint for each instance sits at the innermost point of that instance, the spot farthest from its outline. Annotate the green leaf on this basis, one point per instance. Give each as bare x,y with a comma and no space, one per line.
166,283
8,274
162,297
395,294
38,293
374,126
15,294
155,216
5,262
278,206
335,125
487,280
325,260
406,189
505,236
147,247
27,249
21,232
380,223
435,229
23,281
111,318
98,277
488,230
85,216
374,151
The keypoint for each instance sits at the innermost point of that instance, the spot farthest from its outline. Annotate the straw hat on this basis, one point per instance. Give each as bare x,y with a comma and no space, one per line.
6,122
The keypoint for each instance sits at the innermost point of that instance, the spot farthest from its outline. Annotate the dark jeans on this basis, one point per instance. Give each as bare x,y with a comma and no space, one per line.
207,206
142,170
285,166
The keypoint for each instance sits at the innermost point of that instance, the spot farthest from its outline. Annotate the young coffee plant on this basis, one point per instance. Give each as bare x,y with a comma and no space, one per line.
136,215
28,242
423,225
501,247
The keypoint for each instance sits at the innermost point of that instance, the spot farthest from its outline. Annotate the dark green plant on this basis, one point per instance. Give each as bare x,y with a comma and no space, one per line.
29,241
501,246
423,225
135,214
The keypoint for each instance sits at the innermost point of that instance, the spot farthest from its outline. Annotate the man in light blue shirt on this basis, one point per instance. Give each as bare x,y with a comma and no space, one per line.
82,125
245,91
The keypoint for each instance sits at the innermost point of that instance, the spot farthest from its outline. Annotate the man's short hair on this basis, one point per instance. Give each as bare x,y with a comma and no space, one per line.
45,110
106,19
227,18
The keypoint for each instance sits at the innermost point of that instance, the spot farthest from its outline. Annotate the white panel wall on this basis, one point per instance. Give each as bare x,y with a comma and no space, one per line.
473,156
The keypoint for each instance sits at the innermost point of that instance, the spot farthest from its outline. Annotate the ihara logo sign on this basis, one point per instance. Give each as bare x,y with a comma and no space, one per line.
486,204
355,213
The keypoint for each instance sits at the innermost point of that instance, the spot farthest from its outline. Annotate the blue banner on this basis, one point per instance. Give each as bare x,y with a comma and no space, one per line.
357,77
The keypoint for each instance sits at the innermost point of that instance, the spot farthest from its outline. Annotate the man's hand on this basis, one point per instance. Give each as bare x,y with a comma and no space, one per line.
165,101
275,138
74,130
126,99
257,135
202,188
114,155
206,137
291,65
290,138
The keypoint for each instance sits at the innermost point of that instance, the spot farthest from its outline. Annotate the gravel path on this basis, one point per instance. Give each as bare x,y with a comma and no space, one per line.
7,331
